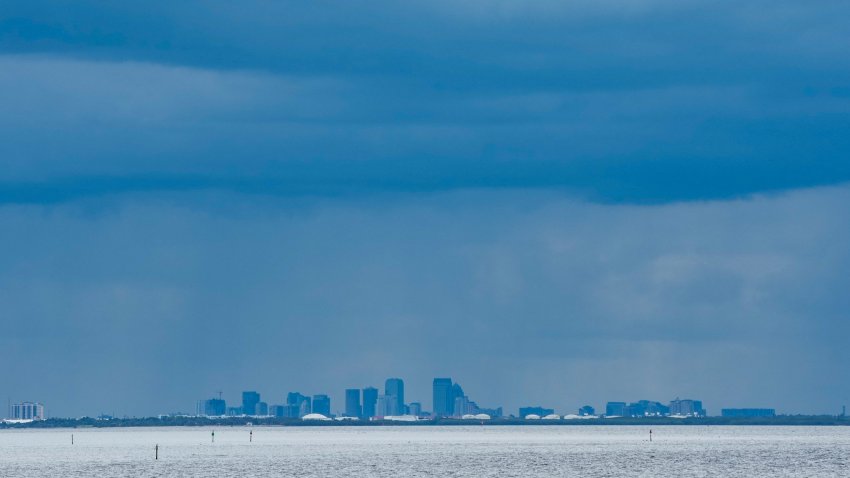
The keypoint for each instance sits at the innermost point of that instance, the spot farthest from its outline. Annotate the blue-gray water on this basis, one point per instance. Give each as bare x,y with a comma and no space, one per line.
504,451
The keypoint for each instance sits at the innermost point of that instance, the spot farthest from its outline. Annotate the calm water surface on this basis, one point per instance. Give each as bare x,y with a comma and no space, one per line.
495,451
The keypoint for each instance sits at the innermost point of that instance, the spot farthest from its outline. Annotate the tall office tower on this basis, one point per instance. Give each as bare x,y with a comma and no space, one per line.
382,406
352,403
394,390
370,399
215,407
302,402
415,409
457,392
262,409
249,402
461,406
443,400
322,404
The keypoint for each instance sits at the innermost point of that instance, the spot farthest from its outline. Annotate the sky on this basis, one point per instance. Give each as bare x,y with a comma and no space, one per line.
554,203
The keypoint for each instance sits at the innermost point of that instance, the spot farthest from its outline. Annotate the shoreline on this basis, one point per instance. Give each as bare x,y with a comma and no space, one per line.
181,421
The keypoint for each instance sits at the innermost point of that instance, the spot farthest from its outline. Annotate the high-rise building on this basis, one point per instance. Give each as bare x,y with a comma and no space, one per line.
249,402
443,399
302,402
215,407
394,390
370,399
415,409
382,406
462,406
322,404
457,391
352,403
262,409
27,411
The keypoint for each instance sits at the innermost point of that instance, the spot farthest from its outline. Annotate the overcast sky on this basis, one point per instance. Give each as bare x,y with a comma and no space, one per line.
554,203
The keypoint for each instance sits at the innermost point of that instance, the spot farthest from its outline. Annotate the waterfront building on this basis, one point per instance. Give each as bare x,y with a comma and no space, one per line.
215,407
352,403
687,407
646,408
249,402
443,398
27,411
394,391
586,410
370,401
262,409
322,405
747,412
234,411
415,409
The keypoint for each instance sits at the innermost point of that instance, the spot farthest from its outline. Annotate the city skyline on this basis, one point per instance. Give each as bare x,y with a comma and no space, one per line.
338,403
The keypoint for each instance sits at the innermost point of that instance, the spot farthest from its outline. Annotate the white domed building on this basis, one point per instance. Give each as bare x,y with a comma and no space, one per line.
315,416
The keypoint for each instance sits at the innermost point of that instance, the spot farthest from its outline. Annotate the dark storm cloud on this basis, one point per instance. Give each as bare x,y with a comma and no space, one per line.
615,101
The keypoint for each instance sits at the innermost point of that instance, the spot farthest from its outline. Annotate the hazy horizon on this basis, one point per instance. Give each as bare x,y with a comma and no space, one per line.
553,204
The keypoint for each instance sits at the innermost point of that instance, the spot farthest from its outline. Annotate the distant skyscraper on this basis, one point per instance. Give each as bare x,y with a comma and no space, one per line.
352,403
215,407
443,399
262,409
415,409
249,402
394,390
322,404
303,403
382,406
370,398
461,406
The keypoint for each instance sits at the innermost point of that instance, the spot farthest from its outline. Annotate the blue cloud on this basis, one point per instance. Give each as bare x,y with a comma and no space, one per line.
639,102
